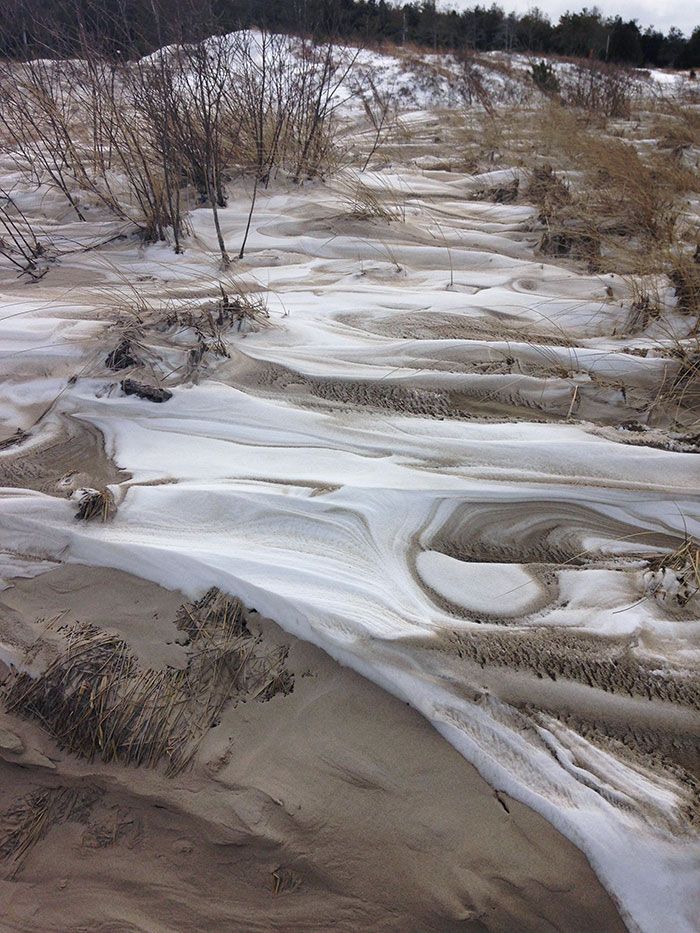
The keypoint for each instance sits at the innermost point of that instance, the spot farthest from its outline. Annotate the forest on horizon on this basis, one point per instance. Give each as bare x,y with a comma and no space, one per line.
135,27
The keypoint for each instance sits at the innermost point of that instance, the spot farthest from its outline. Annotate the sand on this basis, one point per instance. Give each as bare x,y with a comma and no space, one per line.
452,463
334,807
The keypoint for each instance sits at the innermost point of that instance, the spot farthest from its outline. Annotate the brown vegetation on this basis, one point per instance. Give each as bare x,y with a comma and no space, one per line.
97,702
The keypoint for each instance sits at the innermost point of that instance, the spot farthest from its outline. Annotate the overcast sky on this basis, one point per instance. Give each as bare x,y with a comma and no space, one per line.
660,13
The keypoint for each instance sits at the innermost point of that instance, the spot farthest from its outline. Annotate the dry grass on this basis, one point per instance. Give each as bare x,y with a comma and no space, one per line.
210,321
204,327
677,575
97,702
547,190
365,202
617,195
605,200
498,194
95,504
609,198
676,126
171,342
30,820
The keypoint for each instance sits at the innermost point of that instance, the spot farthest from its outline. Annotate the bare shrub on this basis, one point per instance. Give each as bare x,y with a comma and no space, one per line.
134,137
18,241
380,109
599,88
36,116
133,148
185,97
470,83
71,125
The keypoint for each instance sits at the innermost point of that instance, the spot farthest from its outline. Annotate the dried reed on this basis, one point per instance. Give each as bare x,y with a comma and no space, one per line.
96,701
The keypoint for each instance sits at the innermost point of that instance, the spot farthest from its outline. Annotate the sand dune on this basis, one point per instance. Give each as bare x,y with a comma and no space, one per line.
423,460
335,806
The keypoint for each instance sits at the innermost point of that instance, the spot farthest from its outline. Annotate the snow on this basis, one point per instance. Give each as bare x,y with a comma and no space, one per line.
495,589
323,512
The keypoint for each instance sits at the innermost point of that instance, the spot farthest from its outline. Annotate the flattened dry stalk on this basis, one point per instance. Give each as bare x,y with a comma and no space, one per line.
285,880
24,824
96,701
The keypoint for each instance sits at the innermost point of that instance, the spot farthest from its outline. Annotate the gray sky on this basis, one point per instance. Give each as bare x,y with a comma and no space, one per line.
660,13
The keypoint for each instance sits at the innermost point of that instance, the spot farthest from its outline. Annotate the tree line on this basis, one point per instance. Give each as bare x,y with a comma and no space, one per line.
135,27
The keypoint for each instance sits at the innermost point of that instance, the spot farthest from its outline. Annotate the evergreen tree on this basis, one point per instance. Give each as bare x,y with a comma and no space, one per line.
134,27
625,42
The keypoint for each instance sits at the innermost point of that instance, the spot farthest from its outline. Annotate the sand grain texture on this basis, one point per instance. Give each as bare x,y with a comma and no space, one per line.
337,788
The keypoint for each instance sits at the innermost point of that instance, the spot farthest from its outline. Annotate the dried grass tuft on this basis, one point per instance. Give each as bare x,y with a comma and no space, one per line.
498,194
96,701
364,202
239,311
676,576
547,190
95,504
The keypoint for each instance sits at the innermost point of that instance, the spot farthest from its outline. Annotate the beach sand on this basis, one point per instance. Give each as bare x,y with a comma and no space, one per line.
335,806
